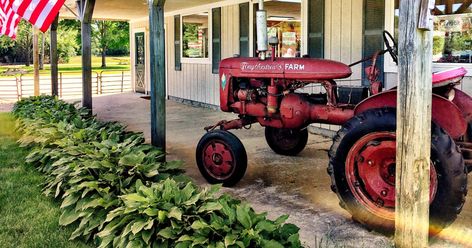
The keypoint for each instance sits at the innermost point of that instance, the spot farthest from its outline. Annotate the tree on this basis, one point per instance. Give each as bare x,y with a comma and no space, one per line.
109,35
73,24
6,49
22,50
67,45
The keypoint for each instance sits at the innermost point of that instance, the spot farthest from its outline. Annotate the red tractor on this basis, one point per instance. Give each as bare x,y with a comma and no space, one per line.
362,157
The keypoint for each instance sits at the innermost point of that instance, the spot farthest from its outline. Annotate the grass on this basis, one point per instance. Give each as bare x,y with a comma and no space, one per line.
27,218
75,66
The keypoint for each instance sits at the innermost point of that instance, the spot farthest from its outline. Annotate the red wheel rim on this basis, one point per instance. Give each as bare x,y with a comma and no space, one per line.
370,172
218,160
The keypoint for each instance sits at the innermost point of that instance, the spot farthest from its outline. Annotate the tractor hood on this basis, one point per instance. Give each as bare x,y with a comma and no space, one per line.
289,68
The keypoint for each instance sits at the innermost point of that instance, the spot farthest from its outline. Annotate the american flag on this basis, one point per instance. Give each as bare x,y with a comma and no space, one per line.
8,19
40,13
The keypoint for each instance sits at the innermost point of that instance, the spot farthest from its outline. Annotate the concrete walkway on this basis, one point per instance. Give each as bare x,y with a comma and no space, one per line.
298,186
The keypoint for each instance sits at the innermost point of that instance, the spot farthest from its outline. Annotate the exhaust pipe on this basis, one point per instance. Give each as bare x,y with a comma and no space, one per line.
261,25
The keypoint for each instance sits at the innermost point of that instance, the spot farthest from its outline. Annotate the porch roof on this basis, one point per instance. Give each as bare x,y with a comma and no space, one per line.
128,9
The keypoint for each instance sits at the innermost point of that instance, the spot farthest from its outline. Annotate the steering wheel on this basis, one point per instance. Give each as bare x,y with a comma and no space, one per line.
393,50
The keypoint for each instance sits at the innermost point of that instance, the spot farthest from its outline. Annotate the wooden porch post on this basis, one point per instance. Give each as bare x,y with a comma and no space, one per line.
158,73
86,11
36,61
54,58
413,126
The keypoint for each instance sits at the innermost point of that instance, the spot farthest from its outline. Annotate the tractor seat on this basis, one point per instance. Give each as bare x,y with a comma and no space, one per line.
452,76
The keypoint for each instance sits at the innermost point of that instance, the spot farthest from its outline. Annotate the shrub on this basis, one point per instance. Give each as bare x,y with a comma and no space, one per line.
121,193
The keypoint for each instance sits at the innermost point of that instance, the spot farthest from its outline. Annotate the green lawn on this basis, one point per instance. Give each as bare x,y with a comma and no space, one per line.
27,218
75,66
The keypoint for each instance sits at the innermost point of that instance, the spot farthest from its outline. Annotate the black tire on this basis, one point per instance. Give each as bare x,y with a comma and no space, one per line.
211,162
468,137
288,142
445,155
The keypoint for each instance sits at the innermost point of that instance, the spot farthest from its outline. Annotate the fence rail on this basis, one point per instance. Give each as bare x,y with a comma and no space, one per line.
70,84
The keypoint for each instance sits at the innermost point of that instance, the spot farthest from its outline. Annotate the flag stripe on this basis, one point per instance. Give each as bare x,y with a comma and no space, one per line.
13,25
20,6
40,13
52,15
8,19
28,11
37,11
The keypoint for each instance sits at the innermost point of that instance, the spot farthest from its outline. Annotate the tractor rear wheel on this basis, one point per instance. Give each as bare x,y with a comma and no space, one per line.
288,142
468,155
362,170
221,158
468,136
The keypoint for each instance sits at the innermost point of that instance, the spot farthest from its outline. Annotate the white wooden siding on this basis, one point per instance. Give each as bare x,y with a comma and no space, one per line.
343,39
343,34
195,81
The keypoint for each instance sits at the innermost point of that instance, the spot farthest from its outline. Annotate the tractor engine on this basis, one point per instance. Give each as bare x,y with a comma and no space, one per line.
269,92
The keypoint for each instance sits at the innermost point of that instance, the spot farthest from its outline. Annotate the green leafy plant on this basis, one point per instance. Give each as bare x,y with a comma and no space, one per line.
170,213
120,192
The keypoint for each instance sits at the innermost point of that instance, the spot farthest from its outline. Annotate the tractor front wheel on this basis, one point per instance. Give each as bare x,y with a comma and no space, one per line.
288,142
221,158
362,169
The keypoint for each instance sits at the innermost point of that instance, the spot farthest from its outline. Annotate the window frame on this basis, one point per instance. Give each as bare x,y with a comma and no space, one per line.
390,67
208,60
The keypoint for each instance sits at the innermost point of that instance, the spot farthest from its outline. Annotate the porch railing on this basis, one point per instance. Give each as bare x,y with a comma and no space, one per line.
69,84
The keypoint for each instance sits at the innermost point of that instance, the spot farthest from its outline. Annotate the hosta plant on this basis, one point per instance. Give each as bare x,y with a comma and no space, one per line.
119,191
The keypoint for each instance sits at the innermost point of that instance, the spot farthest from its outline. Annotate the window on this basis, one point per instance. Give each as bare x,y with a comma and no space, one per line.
195,36
284,22
452,38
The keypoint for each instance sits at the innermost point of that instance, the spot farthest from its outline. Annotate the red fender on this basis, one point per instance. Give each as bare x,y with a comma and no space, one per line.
445,113
464,102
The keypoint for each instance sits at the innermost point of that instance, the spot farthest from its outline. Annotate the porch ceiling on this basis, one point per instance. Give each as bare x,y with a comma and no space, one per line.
128,9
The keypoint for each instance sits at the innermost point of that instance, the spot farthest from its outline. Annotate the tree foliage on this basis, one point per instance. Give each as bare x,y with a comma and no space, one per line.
67,45
110,38
19,50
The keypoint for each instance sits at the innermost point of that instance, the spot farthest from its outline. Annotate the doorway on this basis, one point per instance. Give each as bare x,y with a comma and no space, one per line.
140,82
